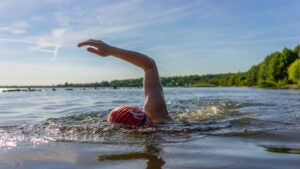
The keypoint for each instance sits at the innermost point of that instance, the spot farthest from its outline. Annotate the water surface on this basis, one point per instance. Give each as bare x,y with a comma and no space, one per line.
215,128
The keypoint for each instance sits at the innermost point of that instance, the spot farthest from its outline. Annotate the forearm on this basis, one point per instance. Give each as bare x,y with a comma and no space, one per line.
133,57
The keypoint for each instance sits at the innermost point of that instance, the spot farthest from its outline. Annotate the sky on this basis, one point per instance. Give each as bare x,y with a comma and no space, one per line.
38,38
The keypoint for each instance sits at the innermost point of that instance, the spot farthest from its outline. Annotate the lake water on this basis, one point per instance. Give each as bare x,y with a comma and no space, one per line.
216,128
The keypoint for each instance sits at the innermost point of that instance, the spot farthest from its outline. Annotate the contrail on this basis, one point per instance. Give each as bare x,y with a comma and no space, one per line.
18,41
38,46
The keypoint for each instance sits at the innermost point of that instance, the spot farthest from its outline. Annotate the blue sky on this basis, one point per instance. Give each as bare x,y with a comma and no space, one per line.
38,38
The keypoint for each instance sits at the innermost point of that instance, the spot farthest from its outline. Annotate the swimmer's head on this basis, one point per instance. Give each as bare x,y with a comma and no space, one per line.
129,116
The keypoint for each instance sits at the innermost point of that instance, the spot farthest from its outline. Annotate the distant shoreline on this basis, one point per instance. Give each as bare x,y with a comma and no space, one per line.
279,70
39,88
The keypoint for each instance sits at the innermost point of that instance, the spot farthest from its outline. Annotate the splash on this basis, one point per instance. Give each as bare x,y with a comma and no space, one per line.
10,139
207,113
92,127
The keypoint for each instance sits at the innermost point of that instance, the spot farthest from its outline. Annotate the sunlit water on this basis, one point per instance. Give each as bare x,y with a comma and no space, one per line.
214,128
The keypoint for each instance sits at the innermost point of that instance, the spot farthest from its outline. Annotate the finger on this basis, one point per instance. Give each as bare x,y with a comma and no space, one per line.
93,50
80,44
94,40
91,42
85,43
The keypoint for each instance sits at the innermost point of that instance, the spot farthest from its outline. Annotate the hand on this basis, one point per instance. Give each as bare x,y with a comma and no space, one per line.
97,47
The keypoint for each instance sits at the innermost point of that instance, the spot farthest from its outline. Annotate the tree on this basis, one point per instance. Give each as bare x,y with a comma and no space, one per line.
274,67
294,72
287,57
297,50
103,84
264,68
266,84
252,75
274,71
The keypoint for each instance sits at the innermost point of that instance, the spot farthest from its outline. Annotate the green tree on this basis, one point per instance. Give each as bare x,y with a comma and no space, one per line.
287,57
266,84
252,75
297,50
103,84
294,72
264,68
274,72
274,67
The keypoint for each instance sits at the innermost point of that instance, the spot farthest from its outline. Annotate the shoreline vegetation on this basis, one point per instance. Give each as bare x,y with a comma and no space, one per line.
279,70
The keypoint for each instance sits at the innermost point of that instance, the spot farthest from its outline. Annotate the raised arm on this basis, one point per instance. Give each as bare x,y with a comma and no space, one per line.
154,106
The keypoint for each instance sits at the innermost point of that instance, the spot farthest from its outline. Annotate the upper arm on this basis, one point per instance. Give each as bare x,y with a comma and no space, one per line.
155,106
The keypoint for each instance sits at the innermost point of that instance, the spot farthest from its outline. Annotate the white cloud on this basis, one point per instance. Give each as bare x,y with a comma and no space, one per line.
52,42
58,33
48,43
106,24
17,41
15,28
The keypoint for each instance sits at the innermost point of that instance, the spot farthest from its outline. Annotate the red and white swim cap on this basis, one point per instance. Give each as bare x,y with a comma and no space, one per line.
128,115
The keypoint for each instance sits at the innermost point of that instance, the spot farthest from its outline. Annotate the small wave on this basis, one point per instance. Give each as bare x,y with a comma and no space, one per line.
207,113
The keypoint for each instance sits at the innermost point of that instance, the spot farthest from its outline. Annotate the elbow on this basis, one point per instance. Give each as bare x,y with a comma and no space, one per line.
150,64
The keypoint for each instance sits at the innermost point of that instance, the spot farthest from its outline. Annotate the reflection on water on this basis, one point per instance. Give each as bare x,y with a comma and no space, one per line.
150,155
281,149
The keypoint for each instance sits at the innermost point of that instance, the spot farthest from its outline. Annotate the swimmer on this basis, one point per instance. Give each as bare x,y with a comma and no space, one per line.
155,109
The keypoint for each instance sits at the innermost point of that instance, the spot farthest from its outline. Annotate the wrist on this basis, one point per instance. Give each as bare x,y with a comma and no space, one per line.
111,50
115,51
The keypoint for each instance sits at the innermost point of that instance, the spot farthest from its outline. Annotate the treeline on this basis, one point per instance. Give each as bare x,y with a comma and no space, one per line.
277,70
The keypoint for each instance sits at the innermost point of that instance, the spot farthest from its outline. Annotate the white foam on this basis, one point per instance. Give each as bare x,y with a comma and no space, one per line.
210,112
